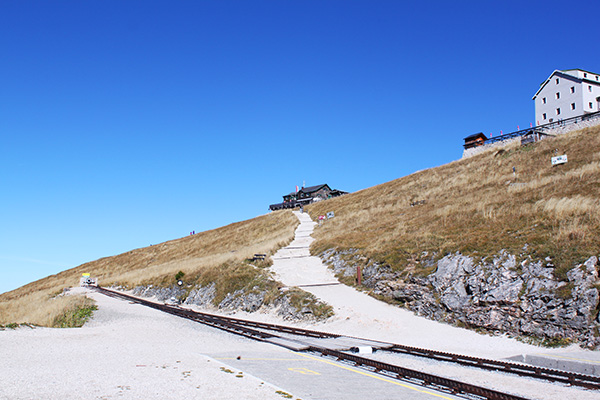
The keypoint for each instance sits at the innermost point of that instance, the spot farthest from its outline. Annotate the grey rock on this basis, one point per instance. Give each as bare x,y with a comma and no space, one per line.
202,296
507,292
503,295
407,292
584,275
449,269
160,293
240,300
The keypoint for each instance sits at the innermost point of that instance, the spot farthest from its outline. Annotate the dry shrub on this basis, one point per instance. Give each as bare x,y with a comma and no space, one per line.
572,230
40,308
566,206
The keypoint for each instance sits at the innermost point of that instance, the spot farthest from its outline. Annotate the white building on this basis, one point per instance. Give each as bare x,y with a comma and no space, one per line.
566,94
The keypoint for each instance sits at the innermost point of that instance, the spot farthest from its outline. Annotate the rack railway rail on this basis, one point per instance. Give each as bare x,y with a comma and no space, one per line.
258,331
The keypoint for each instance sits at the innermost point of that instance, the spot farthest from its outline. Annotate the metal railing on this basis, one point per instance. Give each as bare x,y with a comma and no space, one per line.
546,127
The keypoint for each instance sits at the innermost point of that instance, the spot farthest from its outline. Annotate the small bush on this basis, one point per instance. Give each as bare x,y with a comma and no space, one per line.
556,342
300,299
76,316
565,291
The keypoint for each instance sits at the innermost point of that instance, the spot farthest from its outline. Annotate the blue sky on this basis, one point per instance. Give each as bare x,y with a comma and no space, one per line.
128,123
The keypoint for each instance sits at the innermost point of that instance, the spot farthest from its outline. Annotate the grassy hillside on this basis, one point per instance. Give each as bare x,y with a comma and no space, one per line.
477,206
216,255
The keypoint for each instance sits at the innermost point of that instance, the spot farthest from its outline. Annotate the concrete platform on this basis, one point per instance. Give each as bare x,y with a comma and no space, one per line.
580,362
317,378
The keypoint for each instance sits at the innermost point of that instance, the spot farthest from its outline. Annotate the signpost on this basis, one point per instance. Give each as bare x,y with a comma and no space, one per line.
559,159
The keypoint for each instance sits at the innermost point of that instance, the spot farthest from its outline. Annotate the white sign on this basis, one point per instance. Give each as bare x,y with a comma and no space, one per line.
559,159
330,215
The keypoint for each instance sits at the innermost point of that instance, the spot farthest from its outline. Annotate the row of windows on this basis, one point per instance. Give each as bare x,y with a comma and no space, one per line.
585,75
590,105
557,95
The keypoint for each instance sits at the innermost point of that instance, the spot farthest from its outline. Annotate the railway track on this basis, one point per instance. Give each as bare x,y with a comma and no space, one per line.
266,332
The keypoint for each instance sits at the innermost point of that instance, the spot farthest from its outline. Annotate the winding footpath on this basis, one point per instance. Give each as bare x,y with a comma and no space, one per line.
359,314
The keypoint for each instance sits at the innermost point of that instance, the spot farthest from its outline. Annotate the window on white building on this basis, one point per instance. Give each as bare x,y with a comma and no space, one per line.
591,105
557,95
544,116
544,100
572,106
572,89
558,111
557,81
584,75
589,88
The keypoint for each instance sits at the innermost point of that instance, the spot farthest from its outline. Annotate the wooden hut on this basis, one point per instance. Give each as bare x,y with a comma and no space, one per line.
478,139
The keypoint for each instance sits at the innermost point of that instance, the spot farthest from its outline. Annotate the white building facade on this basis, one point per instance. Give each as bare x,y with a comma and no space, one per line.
566,94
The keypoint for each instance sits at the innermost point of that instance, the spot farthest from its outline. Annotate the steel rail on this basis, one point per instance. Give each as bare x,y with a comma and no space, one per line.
572,378
235,325
394,371
421,378
210,320
244,322
532,371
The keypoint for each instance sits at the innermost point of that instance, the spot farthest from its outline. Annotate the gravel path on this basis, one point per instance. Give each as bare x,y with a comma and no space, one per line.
132,352
127,352
358,314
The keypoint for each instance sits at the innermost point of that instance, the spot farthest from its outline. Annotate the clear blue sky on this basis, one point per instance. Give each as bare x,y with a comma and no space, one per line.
128,123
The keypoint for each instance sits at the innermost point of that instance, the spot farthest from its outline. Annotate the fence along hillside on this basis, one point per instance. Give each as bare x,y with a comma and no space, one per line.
550,129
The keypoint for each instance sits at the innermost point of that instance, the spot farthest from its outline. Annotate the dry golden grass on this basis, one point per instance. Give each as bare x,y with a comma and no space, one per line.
41,308
195,255
478,207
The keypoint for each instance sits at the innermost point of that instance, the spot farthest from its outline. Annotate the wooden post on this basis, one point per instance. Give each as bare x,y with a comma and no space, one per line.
359,275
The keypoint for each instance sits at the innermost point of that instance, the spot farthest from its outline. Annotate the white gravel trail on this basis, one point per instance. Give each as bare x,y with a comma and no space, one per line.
132,352
358,314
127,352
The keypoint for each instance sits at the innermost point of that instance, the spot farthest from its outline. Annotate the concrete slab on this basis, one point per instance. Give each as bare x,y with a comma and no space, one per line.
288,344
344,343
580,362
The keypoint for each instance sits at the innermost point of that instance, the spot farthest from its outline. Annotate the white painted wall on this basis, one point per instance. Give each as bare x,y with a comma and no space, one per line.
590,94
575,93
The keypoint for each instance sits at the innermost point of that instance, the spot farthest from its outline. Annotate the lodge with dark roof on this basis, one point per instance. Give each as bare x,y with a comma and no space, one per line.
307,195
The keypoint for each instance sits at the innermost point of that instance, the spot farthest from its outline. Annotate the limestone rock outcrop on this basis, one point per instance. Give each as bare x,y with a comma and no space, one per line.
522,298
